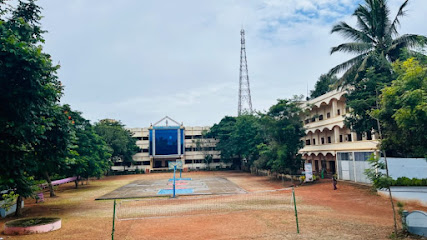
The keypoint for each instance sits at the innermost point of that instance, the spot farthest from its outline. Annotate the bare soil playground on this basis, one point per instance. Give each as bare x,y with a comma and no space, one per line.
213,209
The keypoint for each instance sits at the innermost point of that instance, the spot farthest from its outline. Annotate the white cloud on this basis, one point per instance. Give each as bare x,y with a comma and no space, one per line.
140,60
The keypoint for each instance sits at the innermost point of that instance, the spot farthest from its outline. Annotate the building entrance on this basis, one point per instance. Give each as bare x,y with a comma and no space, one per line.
332,166
162,163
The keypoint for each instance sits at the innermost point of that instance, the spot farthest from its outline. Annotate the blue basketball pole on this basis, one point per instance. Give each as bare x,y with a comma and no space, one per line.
180,173
174,169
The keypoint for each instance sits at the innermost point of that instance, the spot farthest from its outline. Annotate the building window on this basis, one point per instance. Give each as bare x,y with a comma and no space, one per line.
362,156
344,156
313,119
138,163
307,142
197,137
322,140
307,121
146,163
314,141
340,138
188,149
145,138
328,115
329,140
139,150
320,117
187,137
188,161
144,150
216,160
339,112
359,137
139,138
198,161
349,137
347,109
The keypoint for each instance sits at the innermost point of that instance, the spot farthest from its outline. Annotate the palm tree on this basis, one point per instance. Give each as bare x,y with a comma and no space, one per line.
376,40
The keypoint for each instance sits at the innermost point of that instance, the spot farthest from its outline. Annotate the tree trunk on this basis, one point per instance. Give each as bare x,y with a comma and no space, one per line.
18,211
76,182
49,183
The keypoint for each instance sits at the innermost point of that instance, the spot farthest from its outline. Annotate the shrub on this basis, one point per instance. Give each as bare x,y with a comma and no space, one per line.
9,200
404,181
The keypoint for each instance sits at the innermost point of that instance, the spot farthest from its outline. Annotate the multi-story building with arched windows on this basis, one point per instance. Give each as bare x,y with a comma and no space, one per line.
328,139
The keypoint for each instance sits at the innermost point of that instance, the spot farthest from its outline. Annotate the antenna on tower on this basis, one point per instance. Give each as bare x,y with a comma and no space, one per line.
245,102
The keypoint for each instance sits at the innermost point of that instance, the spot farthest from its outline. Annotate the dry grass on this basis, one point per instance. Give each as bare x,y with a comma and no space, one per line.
351,212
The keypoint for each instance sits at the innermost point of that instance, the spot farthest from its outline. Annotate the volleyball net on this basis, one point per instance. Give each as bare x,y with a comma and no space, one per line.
270,200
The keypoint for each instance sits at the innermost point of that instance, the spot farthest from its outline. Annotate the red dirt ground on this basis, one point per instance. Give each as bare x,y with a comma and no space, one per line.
351,212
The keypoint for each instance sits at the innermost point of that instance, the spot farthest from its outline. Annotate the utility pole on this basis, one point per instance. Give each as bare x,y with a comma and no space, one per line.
245,101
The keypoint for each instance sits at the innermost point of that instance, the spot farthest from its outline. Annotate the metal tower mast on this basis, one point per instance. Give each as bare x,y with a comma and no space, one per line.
245,102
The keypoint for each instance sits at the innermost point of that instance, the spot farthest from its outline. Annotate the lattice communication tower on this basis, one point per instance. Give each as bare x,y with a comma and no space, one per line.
245,102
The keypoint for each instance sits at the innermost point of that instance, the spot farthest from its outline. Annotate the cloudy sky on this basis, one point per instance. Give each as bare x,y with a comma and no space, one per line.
137,61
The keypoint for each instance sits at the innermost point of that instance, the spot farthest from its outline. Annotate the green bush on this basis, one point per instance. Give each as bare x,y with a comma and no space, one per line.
404,181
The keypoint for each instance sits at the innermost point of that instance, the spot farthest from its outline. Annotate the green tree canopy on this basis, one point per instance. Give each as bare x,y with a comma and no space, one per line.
28,89
376,44
363,98
375,40
119,139
49,153
282,130
90,154
403,111
238,138
325,84
222,131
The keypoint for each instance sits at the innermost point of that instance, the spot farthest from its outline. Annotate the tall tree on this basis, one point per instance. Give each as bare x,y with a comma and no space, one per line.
403,111
222,131
246,137
362,99
238,138
377,44
282,131
375,40
28,89
325,84
50,152
90,156
119,139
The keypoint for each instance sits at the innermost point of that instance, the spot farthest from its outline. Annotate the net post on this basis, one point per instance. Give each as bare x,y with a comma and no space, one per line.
180,173
114,218
174,169
295,207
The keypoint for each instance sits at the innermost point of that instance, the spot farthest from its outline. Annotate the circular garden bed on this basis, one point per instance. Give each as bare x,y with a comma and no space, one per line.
32,225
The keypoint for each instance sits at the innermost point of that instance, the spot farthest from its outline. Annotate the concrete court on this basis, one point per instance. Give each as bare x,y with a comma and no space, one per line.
151,188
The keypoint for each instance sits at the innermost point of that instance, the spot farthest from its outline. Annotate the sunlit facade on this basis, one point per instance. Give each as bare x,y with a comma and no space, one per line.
328,139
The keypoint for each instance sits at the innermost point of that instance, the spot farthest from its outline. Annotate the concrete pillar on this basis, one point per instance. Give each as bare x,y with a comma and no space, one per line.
334,108
353,136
